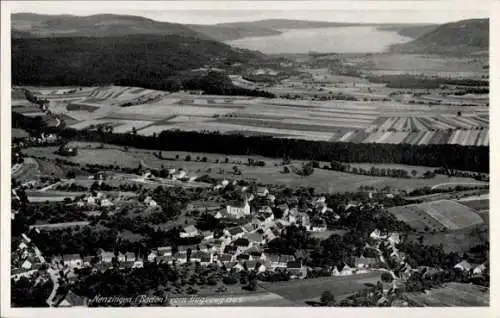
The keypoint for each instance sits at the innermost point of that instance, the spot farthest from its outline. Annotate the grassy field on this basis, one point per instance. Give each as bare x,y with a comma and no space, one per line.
457,241
299,291
453,294
323,180
438,215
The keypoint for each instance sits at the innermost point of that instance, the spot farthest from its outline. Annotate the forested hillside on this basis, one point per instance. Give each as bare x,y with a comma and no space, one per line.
159,62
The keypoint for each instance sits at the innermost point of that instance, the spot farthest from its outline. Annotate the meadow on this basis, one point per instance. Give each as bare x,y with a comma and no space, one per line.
437,215
326,181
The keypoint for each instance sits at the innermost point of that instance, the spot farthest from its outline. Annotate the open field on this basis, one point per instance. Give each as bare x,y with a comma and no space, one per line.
438,215
391,121
302,290
323,180
452,294
417,64
459,241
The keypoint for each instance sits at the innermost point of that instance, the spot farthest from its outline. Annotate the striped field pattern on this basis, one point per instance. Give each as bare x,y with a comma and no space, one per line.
387,122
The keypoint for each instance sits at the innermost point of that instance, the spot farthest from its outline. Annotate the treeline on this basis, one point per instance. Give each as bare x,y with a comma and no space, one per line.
378,172
472,158
414,81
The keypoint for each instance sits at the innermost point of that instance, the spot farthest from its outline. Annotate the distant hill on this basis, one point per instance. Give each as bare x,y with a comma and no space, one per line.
230,32
152,61
410,30
101,25
456,37
235,30
277,24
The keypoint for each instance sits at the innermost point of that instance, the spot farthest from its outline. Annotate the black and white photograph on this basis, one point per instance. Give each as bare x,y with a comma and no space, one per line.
274,154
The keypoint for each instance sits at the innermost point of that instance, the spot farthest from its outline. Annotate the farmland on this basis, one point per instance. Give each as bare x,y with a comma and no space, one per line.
149,112
301,291
452,294
437,215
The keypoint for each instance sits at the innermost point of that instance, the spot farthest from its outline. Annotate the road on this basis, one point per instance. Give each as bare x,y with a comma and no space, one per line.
473,184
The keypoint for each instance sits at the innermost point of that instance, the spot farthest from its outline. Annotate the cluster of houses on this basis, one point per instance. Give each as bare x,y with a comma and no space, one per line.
25,259
173,174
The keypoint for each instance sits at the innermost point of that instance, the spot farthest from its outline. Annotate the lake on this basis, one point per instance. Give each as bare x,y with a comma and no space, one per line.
355,39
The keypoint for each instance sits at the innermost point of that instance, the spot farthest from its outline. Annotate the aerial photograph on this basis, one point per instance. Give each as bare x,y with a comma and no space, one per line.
249,157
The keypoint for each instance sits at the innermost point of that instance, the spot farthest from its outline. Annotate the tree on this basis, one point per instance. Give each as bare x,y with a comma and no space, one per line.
327,299
414,173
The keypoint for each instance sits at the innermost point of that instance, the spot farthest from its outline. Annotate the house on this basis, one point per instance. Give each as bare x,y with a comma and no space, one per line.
207,235
265,209
152,256
377,235
238,210
304,220
335,271
73,260
464,266
394,238
235,232
254,238
271,198
196,256
271,234
106,203
238,267
225,258
121,257
284,209
130,257
321,227
138,263
22,246
230,249
265,217
250,227
243,257
296,268
346,271
106,257
164,251
26,265
242,242
87,261
479,270
365,262
165,259
262,191
280,261
150,202
189,231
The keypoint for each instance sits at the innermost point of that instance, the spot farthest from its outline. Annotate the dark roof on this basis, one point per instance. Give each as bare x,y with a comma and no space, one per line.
235,230
243,256
286,258
241,242
225,257
70,257
294,264
230,249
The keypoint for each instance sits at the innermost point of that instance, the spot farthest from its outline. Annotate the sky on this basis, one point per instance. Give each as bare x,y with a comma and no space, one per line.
211,12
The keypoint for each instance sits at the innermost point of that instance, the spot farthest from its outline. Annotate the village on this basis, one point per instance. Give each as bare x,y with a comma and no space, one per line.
237,235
